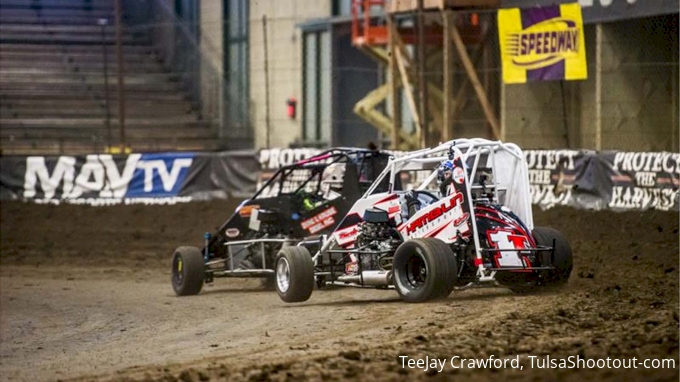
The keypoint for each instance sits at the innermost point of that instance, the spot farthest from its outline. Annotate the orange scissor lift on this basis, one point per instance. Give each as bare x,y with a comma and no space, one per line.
386,31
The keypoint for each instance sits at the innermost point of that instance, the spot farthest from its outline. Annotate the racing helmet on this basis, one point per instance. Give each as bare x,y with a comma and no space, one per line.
444,176
332,180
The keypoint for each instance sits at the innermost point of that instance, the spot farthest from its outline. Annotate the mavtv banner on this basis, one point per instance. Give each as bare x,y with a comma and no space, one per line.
159,178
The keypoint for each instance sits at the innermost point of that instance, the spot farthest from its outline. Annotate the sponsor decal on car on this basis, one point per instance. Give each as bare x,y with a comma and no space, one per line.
232,232
461,220
352,268
347,235
246,211
320,221
458,175
506,240
434,213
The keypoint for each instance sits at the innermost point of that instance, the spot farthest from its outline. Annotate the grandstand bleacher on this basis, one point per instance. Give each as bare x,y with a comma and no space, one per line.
52,87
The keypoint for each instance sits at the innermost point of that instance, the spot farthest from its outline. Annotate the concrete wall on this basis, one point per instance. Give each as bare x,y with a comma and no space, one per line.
211,51
197,62
285,65
638,87
471,121
355,75
211,14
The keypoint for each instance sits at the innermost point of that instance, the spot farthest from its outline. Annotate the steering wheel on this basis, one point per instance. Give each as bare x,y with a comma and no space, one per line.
430,197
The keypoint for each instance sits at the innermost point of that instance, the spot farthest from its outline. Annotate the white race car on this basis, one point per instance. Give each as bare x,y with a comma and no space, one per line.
467,222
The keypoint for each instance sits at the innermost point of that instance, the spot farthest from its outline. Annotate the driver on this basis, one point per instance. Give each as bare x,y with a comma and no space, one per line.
330,187
444,180
445,177
308,203
331,181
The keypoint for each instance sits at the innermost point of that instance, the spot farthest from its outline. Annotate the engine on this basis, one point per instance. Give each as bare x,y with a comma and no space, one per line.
374,234
377,240
377,234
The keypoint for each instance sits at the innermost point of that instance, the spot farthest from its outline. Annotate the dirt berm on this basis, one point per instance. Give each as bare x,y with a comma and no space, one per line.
85,295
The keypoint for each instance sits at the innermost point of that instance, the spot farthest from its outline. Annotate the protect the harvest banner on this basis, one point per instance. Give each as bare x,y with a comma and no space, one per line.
613,180
542,44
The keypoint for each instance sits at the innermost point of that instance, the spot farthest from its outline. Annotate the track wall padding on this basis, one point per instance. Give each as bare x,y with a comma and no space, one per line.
578,178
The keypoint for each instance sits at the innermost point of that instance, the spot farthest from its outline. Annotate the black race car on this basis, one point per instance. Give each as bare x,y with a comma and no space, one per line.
301,202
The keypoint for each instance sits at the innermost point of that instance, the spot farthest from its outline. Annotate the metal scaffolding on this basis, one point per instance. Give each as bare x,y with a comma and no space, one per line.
446,33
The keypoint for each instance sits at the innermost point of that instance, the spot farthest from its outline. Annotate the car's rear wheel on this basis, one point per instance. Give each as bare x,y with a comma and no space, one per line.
188,271
424,269
294,274
563,263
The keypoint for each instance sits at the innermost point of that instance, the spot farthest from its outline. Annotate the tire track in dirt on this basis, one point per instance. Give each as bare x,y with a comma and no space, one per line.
85,294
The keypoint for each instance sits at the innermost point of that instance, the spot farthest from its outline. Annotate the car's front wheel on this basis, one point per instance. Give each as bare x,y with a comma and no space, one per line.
294,274
188,271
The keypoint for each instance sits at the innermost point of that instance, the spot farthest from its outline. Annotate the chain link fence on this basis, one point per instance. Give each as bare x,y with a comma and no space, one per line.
628,102
201,80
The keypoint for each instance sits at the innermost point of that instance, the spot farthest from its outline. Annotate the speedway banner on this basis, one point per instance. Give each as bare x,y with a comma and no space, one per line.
103,179
542,44
600,11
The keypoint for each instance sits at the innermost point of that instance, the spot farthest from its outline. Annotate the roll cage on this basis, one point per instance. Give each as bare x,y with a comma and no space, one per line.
366,169
283,190
494,171
509,183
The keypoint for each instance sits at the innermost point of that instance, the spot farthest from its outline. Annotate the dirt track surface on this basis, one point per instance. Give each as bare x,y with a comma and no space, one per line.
85,295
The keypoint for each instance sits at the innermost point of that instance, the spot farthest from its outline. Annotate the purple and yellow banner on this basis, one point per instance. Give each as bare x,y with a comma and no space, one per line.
542,44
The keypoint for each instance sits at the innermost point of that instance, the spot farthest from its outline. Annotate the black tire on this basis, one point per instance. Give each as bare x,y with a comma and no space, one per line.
188,271
424,269
564,262
294,274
